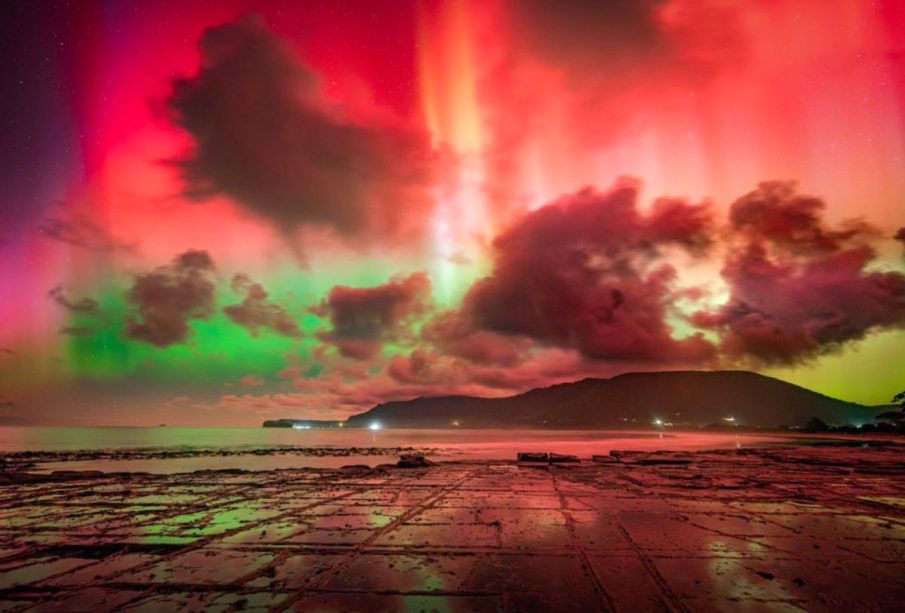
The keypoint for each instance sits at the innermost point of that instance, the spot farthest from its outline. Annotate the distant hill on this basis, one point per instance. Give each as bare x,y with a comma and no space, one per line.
691,398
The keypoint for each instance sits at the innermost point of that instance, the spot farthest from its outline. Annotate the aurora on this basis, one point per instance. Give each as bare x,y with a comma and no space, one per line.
245,210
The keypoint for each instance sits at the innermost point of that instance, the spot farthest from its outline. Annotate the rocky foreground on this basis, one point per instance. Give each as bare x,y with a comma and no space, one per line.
14,463
813,528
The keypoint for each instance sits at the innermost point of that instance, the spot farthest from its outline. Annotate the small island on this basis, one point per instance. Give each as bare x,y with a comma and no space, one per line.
303,424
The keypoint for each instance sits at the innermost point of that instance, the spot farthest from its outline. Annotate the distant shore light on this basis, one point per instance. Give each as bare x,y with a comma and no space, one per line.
375,425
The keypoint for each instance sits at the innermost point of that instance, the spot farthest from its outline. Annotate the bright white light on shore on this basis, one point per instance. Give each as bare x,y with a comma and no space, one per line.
729,419
375,425
658,422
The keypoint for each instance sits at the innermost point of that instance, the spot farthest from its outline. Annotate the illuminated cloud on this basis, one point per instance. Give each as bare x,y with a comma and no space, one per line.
252,381
166,299
85,306
799,288
587,272
256,311
341,392
265,135
363,319
452,333
412,369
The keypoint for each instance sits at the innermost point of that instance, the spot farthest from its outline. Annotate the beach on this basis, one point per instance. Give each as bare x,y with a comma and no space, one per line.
783,527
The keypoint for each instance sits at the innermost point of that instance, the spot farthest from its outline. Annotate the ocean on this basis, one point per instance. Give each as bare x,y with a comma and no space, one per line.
226,448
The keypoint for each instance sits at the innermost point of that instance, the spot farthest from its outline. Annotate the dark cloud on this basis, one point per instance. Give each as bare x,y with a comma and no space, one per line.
777,213
415,368
584,31
85,306
364,318
256,312
587,272
264,135
167,298
83,232
596,41
798,288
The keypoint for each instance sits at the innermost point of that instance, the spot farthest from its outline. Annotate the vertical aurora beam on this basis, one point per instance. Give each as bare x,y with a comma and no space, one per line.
448,86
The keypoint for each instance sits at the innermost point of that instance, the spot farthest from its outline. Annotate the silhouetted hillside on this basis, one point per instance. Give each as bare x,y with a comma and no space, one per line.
635,399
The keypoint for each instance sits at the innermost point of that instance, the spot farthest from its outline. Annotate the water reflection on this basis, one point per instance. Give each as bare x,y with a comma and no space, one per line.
15,438
452,444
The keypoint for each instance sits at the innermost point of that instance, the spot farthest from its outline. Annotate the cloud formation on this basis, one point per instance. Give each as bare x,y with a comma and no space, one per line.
264,134
799,288
453,333
85,306
595,42
415,368
81,231
252,381
585,31
587,272
256,311
363,319
587,286
166,299
900,236
777,214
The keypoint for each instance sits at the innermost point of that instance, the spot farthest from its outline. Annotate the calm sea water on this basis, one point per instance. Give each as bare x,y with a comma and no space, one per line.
450,444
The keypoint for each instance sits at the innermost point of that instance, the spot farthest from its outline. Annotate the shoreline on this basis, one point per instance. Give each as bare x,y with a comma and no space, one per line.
181,459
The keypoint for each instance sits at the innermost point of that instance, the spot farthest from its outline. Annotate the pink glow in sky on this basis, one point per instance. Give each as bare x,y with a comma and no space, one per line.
242,210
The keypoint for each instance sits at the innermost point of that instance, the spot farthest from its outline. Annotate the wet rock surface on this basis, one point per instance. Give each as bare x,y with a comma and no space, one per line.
26,460
413,460
798,528
550,458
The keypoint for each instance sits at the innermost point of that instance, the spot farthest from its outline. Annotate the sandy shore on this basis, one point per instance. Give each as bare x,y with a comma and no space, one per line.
813,528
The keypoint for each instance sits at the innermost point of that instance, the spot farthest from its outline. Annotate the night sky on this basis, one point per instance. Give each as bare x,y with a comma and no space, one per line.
218,213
